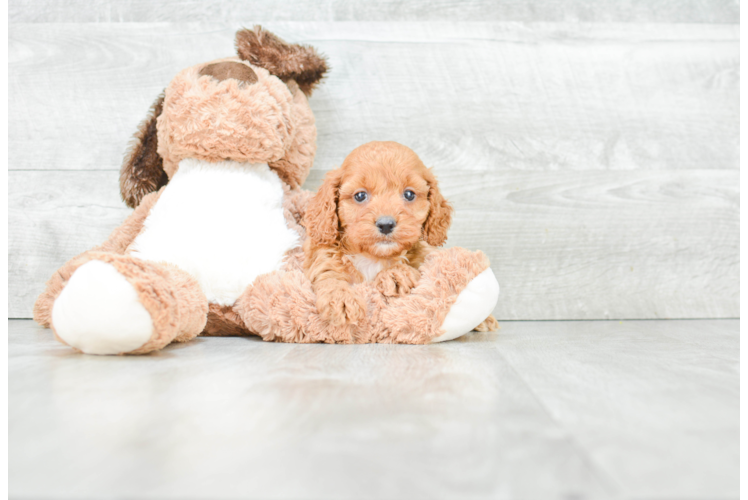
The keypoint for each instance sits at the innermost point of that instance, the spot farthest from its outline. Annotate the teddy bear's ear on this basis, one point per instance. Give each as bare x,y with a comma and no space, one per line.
142,170
300,63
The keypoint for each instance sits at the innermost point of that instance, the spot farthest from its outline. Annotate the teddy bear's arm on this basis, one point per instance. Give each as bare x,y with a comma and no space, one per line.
295,202
121,237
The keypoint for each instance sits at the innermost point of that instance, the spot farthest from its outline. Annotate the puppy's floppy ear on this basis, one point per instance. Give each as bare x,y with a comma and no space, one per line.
440,214
321,217
142,170
285,60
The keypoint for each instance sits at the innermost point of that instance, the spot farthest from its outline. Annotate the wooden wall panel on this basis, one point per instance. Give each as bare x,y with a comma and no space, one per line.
582,245
630,11
480,96
52,217
596,164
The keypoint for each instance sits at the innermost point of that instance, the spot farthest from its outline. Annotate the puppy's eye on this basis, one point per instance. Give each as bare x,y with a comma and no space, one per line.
409,195
361,196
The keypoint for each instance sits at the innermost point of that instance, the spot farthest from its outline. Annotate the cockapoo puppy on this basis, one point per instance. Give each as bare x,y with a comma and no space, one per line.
375,218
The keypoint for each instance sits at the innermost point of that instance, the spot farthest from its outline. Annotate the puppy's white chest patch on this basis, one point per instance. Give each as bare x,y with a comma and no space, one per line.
221,222
369,268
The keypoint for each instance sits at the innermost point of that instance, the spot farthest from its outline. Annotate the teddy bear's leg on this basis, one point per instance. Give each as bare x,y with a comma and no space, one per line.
116,304
472,307
281,307
456,292
117,243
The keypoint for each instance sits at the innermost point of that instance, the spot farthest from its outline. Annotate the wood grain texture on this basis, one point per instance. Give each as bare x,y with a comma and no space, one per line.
538,410
480,95
564,245
743,247
653,403
596,164
241,418
53,216
632,11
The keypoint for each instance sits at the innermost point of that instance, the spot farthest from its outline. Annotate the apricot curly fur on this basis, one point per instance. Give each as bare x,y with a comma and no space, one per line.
488,325
397,281
342,229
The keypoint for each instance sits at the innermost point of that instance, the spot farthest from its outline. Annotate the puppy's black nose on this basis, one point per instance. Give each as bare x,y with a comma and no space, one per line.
386,224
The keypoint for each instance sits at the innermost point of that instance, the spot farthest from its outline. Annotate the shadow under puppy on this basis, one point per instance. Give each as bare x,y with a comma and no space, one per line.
375,218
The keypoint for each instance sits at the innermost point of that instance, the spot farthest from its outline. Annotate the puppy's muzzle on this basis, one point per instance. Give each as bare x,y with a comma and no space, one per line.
386,224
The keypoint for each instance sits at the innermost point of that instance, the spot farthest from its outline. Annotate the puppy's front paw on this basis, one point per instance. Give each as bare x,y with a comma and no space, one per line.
397,280
489,325
339,304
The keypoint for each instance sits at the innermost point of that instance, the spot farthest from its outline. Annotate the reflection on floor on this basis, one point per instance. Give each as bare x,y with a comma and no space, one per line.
537,410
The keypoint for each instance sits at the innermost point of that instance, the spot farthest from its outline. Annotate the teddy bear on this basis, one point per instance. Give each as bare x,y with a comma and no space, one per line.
213,246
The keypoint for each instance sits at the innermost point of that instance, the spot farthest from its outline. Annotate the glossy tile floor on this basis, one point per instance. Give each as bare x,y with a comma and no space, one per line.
634,409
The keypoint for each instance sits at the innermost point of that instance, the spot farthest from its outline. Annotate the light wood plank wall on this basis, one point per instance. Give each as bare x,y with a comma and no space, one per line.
590,147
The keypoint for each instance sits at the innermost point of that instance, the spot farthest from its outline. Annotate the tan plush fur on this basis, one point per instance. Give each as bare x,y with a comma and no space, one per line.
225,320
295,165
177,306
254,109
281,307
117,243
295,202
265,122
172,297
249,123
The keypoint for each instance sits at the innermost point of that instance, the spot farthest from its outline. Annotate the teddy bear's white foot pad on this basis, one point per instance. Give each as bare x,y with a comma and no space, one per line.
473,305
98,312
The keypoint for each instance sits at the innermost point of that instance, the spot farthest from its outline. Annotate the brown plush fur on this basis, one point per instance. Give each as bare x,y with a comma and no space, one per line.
142,170
340,227
225,70
224,321
296,62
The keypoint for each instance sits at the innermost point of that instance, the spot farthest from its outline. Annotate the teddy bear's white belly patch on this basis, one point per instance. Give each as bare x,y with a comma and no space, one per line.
221,222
